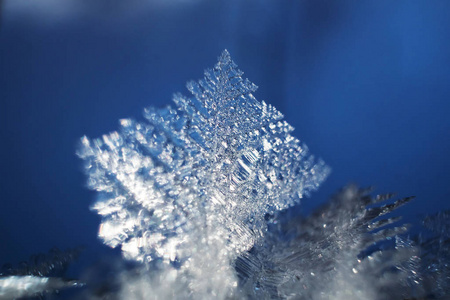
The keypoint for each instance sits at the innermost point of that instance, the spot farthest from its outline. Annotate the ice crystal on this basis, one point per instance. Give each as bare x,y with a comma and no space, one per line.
331,254
41,275
188,190
435,255
53,263
193,194
14,287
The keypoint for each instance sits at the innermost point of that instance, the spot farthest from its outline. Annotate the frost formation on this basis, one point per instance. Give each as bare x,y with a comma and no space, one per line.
328,254
187,191
194,195
40,276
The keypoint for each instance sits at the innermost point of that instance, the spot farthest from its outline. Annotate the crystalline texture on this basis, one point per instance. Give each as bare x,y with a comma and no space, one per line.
327,255
192,184
40,275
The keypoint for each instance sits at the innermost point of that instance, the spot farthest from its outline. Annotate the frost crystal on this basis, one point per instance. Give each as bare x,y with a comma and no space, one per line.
330,254
39,276
187,190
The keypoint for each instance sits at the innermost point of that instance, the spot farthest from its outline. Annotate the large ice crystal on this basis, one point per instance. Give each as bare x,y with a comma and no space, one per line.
187,191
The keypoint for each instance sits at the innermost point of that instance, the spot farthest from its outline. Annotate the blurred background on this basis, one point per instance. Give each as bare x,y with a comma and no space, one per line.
365,84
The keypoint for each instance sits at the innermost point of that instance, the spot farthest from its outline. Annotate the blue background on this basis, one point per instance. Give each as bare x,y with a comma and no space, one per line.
365,84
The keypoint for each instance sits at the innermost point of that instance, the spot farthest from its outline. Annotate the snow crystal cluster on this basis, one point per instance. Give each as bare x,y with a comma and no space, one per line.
187,191
197,195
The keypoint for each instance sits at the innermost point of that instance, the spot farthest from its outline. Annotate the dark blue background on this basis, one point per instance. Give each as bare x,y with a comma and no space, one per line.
365,84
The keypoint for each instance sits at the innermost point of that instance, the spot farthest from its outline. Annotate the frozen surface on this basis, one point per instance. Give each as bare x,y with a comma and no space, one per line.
187,190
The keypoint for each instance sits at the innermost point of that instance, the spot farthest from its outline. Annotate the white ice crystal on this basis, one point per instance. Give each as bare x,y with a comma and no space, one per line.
14,287
42,274
187,190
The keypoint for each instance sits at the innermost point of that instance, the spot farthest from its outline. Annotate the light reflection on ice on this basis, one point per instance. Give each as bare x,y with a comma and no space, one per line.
205,173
